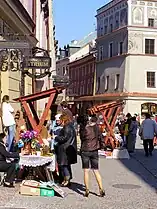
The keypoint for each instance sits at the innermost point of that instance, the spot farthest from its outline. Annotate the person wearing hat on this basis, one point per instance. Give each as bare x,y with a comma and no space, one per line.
55,129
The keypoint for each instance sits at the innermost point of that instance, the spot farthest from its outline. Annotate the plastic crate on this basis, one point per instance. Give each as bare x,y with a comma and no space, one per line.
45,192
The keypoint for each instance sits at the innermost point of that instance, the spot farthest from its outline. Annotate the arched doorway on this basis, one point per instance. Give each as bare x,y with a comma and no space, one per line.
150,108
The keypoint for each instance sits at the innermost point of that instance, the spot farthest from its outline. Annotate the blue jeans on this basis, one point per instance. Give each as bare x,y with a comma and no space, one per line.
10,138
66,171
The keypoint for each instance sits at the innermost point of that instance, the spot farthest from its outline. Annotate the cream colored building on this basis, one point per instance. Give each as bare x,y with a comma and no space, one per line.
127,54
16,27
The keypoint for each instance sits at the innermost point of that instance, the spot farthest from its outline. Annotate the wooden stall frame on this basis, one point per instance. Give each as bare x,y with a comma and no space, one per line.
27,103
109,112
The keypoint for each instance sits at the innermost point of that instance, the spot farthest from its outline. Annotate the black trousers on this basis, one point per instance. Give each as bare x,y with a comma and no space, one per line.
9,169
148,145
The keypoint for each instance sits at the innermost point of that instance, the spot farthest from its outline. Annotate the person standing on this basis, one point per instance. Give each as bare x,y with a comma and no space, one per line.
91,142
147,130
126,128
8,122
65,110
66,148
132,132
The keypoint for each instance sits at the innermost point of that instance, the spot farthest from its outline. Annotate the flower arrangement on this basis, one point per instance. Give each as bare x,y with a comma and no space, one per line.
28,136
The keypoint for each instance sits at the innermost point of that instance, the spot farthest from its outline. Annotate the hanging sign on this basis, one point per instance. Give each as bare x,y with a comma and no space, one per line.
37,63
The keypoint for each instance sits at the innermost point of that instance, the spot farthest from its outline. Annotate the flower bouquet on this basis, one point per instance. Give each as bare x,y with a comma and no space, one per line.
27,141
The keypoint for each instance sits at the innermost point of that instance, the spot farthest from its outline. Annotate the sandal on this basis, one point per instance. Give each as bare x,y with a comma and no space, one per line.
86,193
102,193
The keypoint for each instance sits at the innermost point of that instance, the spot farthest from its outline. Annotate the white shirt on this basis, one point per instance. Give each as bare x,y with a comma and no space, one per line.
7,114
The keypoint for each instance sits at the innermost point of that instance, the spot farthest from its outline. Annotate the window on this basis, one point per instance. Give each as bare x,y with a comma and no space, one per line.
121,47
151,22
111,27
64,71
110,49
117,24
101,31
106,83
105,29
98,84
91,68
149,46
67,70
150,79
101,53
117,79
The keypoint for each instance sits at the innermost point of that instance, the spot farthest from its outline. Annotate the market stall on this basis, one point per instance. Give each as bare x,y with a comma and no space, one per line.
37,154
109,112
27,104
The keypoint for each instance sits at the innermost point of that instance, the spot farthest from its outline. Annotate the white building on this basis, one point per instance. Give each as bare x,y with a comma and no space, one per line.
127,56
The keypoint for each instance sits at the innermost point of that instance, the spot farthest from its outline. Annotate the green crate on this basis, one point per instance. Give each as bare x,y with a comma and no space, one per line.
46,192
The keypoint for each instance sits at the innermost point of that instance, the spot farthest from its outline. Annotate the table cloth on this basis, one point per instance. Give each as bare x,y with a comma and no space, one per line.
35,161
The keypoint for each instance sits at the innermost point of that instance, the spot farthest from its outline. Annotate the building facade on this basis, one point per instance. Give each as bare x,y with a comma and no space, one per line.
82,76
16,40
41,11
127,56
62,71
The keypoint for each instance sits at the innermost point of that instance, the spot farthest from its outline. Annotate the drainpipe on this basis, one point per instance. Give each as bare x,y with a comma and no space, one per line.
34,19
94,86
0,88
33,79
51,41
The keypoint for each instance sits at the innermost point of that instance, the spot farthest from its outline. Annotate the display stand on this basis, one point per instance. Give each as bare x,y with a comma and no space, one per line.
109,112
27,104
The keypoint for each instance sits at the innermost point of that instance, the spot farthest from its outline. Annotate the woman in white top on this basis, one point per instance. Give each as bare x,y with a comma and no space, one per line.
8,121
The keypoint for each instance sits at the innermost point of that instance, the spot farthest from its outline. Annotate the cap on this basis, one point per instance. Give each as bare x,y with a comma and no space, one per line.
57,117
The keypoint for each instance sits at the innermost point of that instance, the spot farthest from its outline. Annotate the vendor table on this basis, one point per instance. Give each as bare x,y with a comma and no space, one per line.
27,103
33,162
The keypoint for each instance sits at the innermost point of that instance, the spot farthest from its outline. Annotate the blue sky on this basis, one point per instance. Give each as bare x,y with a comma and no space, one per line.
74,19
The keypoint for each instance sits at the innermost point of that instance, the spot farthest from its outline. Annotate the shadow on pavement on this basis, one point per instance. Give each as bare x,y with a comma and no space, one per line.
144,167
79,188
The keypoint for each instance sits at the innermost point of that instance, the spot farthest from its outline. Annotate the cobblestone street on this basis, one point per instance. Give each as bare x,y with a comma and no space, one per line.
128,185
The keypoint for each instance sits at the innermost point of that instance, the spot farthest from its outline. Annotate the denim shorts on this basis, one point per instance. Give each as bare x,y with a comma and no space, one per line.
90,159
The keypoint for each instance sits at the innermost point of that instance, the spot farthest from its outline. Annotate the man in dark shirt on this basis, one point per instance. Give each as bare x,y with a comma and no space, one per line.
8,167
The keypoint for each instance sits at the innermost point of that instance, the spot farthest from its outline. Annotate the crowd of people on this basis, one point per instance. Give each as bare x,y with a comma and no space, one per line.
129,127
62,139
60,134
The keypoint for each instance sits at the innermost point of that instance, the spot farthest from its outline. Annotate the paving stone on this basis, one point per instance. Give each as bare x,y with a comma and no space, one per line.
128,185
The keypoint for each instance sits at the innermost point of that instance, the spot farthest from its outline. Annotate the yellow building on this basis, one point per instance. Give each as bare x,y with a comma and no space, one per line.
16,42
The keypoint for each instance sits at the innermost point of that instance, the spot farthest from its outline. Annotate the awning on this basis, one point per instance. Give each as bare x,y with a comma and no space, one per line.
115,96
107,96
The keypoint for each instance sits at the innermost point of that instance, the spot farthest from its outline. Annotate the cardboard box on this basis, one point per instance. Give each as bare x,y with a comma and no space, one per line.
30,188
33,188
